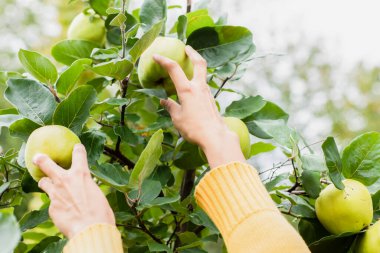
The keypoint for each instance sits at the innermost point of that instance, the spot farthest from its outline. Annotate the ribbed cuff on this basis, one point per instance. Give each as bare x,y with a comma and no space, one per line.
98,238
231,193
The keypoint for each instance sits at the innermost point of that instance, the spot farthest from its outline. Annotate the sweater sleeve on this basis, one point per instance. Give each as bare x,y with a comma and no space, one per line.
98,238
239,205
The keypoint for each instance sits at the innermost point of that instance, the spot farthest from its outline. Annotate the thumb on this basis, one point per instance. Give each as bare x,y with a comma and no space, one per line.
171,106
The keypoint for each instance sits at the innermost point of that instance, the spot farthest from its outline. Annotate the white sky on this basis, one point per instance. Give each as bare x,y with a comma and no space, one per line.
349,29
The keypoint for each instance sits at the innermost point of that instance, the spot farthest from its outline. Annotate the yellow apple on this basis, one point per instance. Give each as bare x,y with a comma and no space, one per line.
348,210
55,141
152,75
370,242
87,26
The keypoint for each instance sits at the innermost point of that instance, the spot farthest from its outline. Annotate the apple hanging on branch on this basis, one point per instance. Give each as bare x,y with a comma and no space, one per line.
87,26
55,141
347,210
152,75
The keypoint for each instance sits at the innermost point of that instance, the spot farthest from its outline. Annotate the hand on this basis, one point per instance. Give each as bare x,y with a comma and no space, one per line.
76,201
196,116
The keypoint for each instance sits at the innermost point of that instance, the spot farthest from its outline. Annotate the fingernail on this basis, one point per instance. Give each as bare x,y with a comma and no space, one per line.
36,157
157,56
77,146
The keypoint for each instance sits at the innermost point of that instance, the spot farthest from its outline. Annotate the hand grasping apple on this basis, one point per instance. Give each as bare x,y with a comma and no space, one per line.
196,116
76,201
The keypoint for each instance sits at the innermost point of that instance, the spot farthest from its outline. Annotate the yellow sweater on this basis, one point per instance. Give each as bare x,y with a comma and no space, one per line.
239,205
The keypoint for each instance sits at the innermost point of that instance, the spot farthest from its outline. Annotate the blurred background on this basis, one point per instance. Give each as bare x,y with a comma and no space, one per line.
319,60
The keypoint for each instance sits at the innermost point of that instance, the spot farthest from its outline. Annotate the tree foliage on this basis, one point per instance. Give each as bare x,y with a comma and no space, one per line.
144,167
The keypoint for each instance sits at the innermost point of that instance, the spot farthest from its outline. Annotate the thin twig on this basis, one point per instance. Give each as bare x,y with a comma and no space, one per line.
123,160
225,81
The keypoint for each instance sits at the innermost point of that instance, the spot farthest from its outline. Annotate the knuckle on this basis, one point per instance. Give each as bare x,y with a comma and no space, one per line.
80,149
84,173
171,64
201,62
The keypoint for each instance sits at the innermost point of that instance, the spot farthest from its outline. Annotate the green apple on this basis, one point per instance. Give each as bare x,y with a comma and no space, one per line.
370,242
87,26
348,210
152,75
238,127
55,141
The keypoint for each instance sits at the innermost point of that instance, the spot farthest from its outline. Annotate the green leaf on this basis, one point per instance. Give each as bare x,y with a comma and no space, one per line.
270,111
181,26
23,128
198,19
192,21
44,243
114,33
118,20
311,230
152,12
38,66
105,53
270,122
333,162
7,119
5,75
107,104
361,158
245,107
200,218
158,247
276,129
340,243
55,247
33,219
66,82
32,99
158,93
9,231
313,162
28,184
100,6
261,147
75,109
275,181
311,182
94,142
4,187
148,160
298,206
220,45
112,175
68,51
190,157
117,69
127,135
150,189
145,41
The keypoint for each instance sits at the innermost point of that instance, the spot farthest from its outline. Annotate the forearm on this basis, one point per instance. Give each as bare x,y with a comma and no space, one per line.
98,238
236,200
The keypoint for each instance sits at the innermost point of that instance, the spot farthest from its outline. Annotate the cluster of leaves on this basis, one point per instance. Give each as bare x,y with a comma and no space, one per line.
146,170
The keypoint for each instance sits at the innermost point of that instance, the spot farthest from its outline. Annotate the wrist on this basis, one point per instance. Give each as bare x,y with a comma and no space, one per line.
222,147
